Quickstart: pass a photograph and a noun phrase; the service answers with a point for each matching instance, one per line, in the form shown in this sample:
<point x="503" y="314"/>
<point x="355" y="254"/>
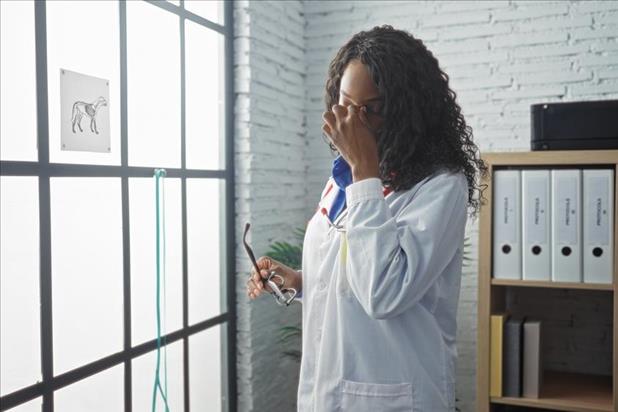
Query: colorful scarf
<point x="342" y="175"/>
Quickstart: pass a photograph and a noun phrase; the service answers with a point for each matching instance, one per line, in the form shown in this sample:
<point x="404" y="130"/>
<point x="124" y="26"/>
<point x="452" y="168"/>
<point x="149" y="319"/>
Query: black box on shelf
<point x="584" y="125"/>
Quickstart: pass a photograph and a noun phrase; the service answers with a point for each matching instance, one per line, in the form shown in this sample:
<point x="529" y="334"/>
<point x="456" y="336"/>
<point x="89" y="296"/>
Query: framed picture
<point x="84" y="108"/>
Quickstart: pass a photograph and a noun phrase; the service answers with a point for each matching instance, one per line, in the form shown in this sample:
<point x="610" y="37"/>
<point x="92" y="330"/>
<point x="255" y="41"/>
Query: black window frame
<point x="45" y="170"/>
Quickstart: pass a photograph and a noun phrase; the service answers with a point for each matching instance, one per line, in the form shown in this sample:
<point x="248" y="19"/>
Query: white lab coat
<point x="380" y="300"/>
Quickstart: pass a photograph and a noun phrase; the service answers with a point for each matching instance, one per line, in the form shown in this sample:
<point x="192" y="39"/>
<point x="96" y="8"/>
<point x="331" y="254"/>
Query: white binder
<point x="598" y="245"/>
<point x="536" y="249"/>
<point x="566" y="225"/>
<point x="506" y="224"/>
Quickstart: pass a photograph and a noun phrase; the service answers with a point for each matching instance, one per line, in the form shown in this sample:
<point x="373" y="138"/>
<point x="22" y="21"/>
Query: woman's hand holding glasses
<point x="267" y="274"/>
<point x="255" y="284"/>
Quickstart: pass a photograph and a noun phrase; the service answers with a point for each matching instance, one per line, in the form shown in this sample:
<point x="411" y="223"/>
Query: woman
<point x="382" y="255"/>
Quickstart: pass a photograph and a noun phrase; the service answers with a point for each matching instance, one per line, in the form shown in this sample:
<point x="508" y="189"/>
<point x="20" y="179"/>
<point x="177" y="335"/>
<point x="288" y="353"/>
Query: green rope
<point x="158" y="175"/>
<point x="164" y="289"/>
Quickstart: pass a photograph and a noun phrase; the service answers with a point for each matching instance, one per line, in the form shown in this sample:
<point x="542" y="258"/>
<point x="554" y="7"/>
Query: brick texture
<point x="501" y="56"/>
<point x="270" y="145"/>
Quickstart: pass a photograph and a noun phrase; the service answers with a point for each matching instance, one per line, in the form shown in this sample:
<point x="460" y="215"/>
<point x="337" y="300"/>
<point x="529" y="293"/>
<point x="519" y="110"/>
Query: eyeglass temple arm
<point x="248" y="248"/>
<point x="277" y="292"/>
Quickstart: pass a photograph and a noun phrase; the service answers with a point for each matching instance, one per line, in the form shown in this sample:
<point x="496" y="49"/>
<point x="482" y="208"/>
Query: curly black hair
<point x="423" y="128"/>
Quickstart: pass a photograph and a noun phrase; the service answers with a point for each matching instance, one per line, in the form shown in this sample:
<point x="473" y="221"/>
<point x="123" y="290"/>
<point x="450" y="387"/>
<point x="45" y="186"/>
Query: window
<point x="77" y="239"/>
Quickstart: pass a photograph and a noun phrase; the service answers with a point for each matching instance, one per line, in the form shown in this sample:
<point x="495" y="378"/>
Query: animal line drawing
<point x="81" y="109"/>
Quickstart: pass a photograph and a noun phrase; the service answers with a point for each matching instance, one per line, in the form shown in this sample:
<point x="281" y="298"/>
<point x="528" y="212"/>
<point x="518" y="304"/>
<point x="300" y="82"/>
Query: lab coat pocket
<point x="371" y="397"/>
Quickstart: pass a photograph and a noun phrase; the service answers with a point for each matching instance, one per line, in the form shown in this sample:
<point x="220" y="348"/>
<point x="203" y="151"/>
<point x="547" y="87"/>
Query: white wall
<point x="501" y="56"/>
<point x="270" y="191"/>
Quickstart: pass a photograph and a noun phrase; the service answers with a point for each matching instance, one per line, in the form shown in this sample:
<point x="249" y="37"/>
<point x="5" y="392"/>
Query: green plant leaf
<point x="295" y="354"/>
<point x="290" y="335"/>
<point x="286" y="253"/>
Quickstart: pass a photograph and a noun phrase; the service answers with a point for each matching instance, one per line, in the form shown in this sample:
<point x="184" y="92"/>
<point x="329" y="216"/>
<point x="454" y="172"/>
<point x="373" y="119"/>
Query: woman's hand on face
<point x="350" y="131"/>
<point x="255" y="284"/>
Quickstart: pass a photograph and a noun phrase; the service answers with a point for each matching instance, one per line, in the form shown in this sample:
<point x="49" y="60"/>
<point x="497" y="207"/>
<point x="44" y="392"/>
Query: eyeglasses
<point x="369" y="111"/>
<point x="281" y="295"/>
<point x="378" y="113"/>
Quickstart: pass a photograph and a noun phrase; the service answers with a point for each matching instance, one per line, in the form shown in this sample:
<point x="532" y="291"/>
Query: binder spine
<point x="566" y="262"/>
<point x="536" y="234"/>
<point x="598" y="241"/>
<point x="507" y="225"/>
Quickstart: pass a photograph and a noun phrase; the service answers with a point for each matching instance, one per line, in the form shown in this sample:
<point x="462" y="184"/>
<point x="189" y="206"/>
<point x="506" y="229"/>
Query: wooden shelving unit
<point x="561" y="391"/>
<point x="559" y="285"/>
<point x="569" y="392"/>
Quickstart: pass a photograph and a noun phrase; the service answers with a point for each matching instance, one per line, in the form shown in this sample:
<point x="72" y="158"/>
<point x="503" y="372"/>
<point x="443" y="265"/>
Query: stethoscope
<point x="338" y="226"/>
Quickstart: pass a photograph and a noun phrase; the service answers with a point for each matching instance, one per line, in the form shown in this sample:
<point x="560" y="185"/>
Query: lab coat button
<point x="322" y="285"/>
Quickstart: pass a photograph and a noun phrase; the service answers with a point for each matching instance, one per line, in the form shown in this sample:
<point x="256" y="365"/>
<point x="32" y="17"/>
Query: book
<point x="532" y="363"/>
<point x="513" y="338"/>
<point x="496" y="350"/>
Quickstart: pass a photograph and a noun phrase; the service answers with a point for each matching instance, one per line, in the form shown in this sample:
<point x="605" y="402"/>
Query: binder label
<point x="537" y="210"/>
<point x="567" y="210"/>
<point x="597" y="213"/>
<point x="506" y="194"/>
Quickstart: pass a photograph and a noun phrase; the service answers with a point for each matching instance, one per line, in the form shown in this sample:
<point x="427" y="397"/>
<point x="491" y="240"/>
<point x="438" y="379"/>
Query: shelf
<point x="563" y="391"/>
<point x="552" y="158"/>
<point x="546" y="284"/>
<point x="569" y="392"/>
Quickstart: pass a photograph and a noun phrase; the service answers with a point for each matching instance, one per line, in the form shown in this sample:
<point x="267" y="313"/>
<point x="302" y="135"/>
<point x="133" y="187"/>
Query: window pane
<point x="205" y="355"/>
<point x="153" y="52"/>
<point x="205" y="226"/>
<point x="143" y="257"/>
<point x="205" y="88"/>
<point x="144" y="368"/>
<point x="211" y="10"/>
<point x="83" y="37"/>
<point x="19" y="283"/>
<point x="86" y="243"/>
<point x="17" y="81"/>
<point x="99" y="393"/>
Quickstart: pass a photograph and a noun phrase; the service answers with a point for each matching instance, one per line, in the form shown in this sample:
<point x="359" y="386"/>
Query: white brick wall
<point x="501" y="56"/>
<point x="270" y="142"/>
